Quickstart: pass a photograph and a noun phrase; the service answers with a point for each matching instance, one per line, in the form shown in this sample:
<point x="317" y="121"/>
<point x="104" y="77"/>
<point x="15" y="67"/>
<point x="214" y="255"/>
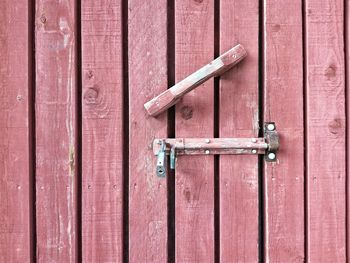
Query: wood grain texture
<point x="325" y="104"/>
<point x="147" y="43"/>
<point x="194" y="182"/>
<point x="102" y="131"/>
<point x="14" y="132"/>
<point x="200" y="146"/>
<point x="283" y="104"/>
<point x="55" y="106"/>
<point x="239" y="117"/>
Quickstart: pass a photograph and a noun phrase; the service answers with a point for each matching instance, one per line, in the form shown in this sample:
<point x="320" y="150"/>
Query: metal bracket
<point x="272" y="139"/>
<point x="267" y="145"/>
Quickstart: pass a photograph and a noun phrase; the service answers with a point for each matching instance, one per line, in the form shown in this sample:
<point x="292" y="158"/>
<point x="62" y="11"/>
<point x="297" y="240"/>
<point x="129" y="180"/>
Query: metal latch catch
<point x="161" y="160"/>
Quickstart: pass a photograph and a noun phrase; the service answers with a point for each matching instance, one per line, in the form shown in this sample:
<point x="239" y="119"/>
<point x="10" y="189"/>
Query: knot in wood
<point x="334" y="126"/>
<point x="186" y="112"/>
<point x="89" y="74"/>
<point x="330" y="72"/>
<point x="43" y="19"/>
<point x="91" y="95"/>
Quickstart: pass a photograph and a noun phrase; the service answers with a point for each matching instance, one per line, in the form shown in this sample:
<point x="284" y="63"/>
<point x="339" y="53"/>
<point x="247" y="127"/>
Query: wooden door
<point x="78" y="176"/>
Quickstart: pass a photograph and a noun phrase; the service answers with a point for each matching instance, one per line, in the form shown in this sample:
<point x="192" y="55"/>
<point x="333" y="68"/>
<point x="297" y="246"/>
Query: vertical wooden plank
<point x="55" y="108"/>
<point x="147" y="43"/>
<point x="102" y="135"/>
<point x="325" y="104"/>
<point x="239" y="117"/>
<point x="14" y="130"/>
<point x="194" y="182"/>
<point x="283" y="104"/>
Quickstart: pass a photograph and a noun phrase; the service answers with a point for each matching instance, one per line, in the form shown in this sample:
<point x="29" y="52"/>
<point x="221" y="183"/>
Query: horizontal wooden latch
<point x="267" y="145"/>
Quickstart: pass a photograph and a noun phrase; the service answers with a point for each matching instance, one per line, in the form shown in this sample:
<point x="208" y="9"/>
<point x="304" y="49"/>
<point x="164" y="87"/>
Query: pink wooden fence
<point x="77" y="171"/>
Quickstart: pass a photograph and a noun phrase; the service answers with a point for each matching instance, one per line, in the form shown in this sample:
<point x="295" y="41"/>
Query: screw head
<point x="254" y="140"/>
<point x="254" y="151"/>
<point x="272" y="156"/>
<point x="207" y="151"/>
<point x="207" y="140"/>
<point x="271" y="127"/>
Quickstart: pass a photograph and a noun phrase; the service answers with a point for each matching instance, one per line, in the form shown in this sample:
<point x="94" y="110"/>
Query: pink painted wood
<point x="15" y="160"/>
<point x="239" y="117"/>
<point x="147" y="21"/>
<point x="55" y="107"/>
<point x="102" y="134"/>
<point x="195" y="146"/>
<point x="194" y="183"/>
<point x="215" y="68"/>
<point x="325" y="116"/>
<point x="283" y="103"/>
<point x="306" y="193"/>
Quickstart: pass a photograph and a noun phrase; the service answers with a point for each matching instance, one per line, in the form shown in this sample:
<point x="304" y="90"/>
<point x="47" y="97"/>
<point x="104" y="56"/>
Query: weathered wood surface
<point x="283" y="104"/>
<point x="147" y="40"/>
<point x="239" y="117"/>
<point x="215" y="68"/>
<point x="304" y="214"/>
<point x="194" y="182"/>
<point x="325" y="121"/>
<point x="56" y="154"/>
<point x="102" y="131"/>
<point x="15" y="143"/>
<point x="194" y="146"/>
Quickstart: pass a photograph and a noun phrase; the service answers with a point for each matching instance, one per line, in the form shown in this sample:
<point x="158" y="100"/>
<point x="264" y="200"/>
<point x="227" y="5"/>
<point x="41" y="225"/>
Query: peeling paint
<point x="70" y="87"/>
<point x="65" y="30"/>
<point x="71" y="161"/>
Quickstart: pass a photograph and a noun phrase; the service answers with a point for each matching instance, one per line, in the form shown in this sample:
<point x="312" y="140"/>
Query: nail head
<point x="272" y="156"/>
<point x="270" y="127"/>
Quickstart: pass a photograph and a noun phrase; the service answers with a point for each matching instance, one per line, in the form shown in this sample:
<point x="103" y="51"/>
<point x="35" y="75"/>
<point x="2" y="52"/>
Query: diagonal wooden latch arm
<point x="215" y="68"/>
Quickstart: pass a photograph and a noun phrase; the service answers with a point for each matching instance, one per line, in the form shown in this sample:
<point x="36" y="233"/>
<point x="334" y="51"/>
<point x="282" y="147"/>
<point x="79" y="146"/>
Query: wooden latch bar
<point x="215" y="68"/>
<point x="267" y="145"/>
